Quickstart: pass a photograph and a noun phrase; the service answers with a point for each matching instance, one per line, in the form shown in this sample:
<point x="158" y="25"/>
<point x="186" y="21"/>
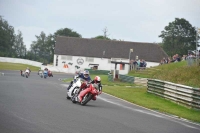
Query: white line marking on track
<point x="138" y="110"/>
<point x="160" y="115"/>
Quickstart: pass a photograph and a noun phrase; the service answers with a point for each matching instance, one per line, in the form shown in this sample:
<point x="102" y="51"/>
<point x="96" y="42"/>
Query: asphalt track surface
<point x="38" y="105"/>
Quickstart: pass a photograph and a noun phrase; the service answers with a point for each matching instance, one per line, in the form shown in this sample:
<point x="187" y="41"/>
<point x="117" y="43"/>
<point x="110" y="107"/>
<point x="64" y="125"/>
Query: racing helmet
<point x="97" y="79"/>
<point x="86" y="73"/>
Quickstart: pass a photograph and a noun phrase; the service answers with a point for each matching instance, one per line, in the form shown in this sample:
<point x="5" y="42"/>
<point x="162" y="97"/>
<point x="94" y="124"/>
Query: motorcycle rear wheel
<point x="86" y="99"/>
<point x="73" y="99"/>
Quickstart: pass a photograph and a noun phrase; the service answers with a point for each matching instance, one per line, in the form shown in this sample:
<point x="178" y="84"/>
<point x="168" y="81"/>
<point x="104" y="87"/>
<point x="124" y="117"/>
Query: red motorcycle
<point x="87" y="94"/>
<point x="50" y="74"/>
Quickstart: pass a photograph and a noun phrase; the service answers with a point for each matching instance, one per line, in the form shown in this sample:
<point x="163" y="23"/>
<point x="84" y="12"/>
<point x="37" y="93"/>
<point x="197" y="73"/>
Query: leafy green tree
<point x="50" y="46"/>
<point x="38" y="47"/>
<point x="29" y="55"/>
<point x="19" y="47"/>
<point x="101" y="37"/>
<point x="43" y="48"/>
<point x="178" y="37"/>
<point x="34" y="50"/>
<point x="7" y="39"/>
<point x="67" y="32"/>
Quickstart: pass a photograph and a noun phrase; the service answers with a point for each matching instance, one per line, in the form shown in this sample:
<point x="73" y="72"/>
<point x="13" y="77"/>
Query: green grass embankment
<point x="16" y="66"/>
<point x="179" y="73"/>
<point x="138" y="95"/>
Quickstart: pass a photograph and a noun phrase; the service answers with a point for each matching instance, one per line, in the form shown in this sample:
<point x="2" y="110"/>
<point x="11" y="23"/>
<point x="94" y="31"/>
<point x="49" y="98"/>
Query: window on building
<point x="122" y="66"/>
<point x="89" y="59"/>
<point x="69" y="57"/>
<point x="66" y="57"/>
<point x="56" y="60"/>
<point x="95" y="67"/>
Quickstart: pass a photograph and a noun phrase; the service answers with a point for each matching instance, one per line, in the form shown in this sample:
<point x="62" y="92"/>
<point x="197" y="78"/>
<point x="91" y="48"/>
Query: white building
<point x="74" y="54"/>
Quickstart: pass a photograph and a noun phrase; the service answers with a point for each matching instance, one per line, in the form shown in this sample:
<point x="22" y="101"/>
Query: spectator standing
<point x="141" y="63"/>
<point x="138" y="64"/>
<point x="135" y="64"/>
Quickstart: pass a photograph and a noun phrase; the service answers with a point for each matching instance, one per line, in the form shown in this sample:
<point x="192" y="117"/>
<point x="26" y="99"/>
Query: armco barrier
<point x="110" y="78"/>
<point x="122" y="78"/>
<point x="179" y="93"/>
<point x="125" y="78"/>
<point x="98" y="72"/>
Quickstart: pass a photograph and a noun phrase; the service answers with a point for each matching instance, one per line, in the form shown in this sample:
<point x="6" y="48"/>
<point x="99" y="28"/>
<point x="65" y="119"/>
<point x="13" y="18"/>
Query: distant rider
<point x="28" y="71"/>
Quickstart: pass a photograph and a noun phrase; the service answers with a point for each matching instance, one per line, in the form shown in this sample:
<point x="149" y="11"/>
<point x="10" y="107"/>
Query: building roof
<point x="113" y="49"/>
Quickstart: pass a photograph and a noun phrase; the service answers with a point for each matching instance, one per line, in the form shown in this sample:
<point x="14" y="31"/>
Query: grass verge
<point x="179" y="73"/>
<point x="16" y="66"/>
<point x="138" y="95"/>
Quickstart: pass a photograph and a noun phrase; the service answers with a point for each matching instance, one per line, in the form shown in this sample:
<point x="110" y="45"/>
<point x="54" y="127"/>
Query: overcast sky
<point x="128" y="20"/>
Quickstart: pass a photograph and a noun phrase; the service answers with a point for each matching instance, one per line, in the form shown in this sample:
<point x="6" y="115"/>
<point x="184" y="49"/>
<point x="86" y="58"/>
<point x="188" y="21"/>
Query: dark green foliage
<point x="19" y="47"/>
<point x="7" y="39"/>
<point x="42" y="49"/>
<point x="101" y="37"/>
<point x="178" y="37"/>
<point x="67" y="32"/>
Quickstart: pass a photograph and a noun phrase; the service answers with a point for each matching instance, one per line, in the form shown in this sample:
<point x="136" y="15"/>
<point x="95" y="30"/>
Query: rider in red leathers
<point x="97" y="80"/>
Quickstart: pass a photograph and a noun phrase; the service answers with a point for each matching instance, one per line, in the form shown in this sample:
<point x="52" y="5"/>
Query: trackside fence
<point x="98" y="72"/>
<point x="122" y="78"/>
<point x="182" y="94"/>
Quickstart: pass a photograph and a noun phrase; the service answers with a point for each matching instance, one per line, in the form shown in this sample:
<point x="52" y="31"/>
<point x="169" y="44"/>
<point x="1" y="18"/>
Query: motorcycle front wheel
<point x="68" y="97"/>
<point x="74" y="95"/>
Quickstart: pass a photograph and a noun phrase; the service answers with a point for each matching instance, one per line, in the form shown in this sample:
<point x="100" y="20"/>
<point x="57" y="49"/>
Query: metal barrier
<point x="122" y="78"/>
<point x="182" y="94"/>
<point x="110" y="78"/>
<point x="98" y="72"/>
<point x="125" y="78"/>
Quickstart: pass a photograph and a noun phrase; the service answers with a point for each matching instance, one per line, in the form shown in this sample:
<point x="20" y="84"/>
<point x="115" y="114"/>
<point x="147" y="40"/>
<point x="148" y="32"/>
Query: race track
<point x="38" y="105"/>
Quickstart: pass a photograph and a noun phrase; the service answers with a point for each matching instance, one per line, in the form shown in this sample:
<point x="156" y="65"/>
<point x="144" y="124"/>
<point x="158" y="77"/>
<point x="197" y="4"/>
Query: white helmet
<point x="86" y="73"/>
<point x="97" y="79"/>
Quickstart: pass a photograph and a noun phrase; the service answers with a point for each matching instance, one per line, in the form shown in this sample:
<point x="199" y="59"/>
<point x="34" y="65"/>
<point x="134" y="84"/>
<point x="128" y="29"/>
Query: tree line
<point x="178" y="37"/>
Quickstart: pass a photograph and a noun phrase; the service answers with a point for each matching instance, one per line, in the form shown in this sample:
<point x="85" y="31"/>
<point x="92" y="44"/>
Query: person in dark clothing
<point x="135" y="64"/>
